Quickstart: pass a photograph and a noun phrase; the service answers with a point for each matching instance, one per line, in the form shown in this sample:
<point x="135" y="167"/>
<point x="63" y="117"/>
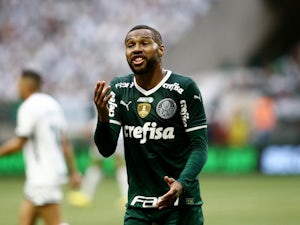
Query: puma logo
<point x="126" y="105"/>
<point x="198" y="97"/>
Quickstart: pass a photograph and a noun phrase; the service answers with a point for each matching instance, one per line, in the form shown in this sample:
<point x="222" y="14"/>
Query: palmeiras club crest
<point x="143" y="109"/>
<point x="166" y="108"/>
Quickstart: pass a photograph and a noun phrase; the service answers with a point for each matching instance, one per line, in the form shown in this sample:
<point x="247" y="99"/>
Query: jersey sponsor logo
<point x="143" y="109"/>
<point x="148" y="131"/>
<point x="184" y="112"/>
<point x="166" y="108"/>
<point x="124" y="85"/>
<point x="145" y="99"/>
<point x="126" y="104"/>
<point x="148" y="202"/>
<point x="112" y="104"/>
<point x="173" y="87"/>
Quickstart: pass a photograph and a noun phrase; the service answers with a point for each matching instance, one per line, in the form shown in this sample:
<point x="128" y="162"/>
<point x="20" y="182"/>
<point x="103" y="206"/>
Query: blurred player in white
<point x="93" y="175"/>
<point x="41" y="133"/>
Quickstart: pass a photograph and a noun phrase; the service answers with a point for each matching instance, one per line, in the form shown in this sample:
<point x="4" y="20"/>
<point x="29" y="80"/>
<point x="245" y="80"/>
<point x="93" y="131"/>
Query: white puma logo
<point x="126" y="105"/>
<point x="198" y="97"/>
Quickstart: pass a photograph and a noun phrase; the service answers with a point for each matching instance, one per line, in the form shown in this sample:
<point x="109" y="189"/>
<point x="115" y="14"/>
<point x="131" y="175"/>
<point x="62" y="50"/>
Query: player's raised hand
<point x="101" y="99"/>
<point x="171" y="196"/>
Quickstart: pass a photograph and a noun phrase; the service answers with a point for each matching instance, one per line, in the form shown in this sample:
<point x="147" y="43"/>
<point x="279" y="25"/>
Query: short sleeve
<point x="25" y="121"/>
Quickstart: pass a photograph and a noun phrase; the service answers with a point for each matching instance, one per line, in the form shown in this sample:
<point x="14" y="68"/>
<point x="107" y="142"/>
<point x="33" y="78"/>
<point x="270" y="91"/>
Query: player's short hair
<point x="156" y="35"/>
<point x="33" y="76"/>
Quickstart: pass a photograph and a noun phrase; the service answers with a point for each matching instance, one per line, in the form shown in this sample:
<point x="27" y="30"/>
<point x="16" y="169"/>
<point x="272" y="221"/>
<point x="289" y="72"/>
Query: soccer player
<point x="41" y="133"/>
<point x="165" y="134"/>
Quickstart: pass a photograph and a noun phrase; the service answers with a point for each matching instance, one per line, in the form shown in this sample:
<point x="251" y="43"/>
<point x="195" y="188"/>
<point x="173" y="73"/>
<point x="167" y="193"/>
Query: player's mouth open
<point x="137" y="61"/>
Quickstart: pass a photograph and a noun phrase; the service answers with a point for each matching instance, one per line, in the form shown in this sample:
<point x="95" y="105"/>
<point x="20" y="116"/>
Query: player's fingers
<point x="172" y="193"/>
<point x="100" y="95"/>
<point x="106" y="96"/>
<point x="99" y="86"/>
<point x="168" y="199"/>
<point x="98" y="89"/>
<point x="171" y="196"/>
<point x="169" y="180"/>
<point x="97" y="93"/>
<point x="167" y="202"/>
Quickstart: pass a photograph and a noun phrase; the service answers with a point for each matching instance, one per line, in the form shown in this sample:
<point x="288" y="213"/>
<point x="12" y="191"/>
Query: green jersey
<point x="165" y="134"/>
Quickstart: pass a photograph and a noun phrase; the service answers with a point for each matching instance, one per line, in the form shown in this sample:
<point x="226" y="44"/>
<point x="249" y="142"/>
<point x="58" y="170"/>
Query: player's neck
<point x="28" y="94"/>
<point x="150" y="80"/>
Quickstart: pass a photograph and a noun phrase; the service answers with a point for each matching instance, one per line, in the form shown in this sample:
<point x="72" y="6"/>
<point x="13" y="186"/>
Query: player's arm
<point x="106" y="135"/>
<point x="197" y="158"/>
<point x="106" y="138"/>
<point x="12" y="145"/>
<point x="75" y="176"/>
<point x="22" y="132"/>
<point x="196" y="129"/>
<point x="191" y="170"/>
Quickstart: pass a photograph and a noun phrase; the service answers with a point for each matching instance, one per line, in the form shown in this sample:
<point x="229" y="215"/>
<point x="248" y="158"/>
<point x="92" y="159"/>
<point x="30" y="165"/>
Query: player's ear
<point x="161" y="50"/>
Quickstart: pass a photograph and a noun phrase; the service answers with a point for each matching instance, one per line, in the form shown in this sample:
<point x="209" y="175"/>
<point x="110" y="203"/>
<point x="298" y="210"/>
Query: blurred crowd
<point x="254" y="105"/>
<point x="75" y="43"/>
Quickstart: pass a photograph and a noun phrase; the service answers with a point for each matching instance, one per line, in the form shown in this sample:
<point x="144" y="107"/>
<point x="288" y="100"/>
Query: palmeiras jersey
<point x="159" y="127"/>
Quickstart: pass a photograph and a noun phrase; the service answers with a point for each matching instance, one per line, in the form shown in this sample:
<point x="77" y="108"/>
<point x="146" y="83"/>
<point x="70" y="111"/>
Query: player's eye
<point x="130" y="45"/>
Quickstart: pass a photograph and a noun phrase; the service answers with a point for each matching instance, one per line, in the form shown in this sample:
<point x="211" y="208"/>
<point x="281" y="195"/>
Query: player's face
<point x="21" y="88"/>
<point x="24" y="88"/>
<point x="142" y="52"/>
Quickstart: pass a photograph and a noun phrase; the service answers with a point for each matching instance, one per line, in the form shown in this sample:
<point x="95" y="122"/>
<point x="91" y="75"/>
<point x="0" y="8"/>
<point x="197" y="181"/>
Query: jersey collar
<point x="154" y="89"/>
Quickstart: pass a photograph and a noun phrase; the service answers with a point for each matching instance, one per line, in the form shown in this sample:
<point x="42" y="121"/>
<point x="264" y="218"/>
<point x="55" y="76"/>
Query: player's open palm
<point x="171" y="196"/>
<point x="101" y="99"/>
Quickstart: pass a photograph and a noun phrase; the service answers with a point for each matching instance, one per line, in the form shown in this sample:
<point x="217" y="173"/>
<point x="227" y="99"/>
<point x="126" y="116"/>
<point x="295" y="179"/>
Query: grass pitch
<point x="228" y="200"/>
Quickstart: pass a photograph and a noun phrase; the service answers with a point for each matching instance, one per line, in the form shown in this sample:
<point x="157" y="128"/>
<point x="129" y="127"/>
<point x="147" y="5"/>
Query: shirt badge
<point x="143" y="109"/>
<point x="166" y="108"/>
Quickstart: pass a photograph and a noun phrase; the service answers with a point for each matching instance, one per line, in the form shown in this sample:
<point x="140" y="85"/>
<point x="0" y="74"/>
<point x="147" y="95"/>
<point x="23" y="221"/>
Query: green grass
<point x="228" y="200"/>
<point x="251" y="200"/>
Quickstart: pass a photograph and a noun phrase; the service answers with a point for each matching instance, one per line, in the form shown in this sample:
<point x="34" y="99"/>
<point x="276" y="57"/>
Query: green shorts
<point x="189" y="215"/>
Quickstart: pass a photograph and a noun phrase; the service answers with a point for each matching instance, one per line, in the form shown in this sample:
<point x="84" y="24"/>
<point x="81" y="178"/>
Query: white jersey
<point x="41" y="119"/>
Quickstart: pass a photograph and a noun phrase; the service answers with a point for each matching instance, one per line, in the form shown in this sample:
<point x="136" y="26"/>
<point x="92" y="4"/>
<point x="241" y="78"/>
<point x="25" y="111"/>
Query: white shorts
<point x="41" y="195"/>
